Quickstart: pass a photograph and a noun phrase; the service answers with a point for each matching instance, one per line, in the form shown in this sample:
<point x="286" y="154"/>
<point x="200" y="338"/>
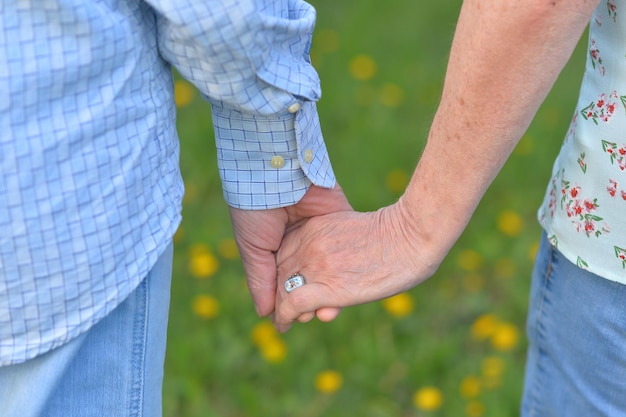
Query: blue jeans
<point x="576" y="363"/>
<point x="114" y="369"/>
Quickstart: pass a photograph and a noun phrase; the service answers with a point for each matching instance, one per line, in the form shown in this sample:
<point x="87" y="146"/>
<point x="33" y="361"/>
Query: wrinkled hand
<point x="351" y="258"/>
<point x="259" y="234"/>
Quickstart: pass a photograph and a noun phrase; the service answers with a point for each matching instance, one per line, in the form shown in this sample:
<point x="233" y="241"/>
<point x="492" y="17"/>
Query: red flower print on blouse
<point x="620" y="254"/>
<point x="596" y="58"/>
<point x="612" y="187"/>
<point x="590" y="205"/>
<point x="603" y="108"/>
<point x="581" y="211"/>
<point x="582" y="164"/>
<point x="552" y="204"/>
<point x="617" y="154"/>
<point x="612" y="8"/>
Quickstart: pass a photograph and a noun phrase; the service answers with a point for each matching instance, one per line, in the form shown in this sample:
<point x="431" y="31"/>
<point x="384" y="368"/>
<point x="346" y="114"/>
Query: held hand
<point x="259" y="234"/>
<point x="350" y="258"/>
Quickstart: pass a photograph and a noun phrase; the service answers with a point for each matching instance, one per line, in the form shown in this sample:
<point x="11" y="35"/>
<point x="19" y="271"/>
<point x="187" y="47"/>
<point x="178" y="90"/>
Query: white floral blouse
<point x="584" y="210"/>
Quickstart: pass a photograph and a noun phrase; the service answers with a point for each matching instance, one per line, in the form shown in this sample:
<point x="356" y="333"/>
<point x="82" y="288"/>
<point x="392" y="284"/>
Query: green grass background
<point x="215" y="368"/>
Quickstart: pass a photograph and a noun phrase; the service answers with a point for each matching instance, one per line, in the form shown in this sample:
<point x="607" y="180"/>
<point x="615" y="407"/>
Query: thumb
<point x="318" y="201"/>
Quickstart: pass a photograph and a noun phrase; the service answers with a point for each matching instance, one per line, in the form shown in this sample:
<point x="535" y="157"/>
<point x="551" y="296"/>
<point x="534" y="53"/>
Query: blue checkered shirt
<point x="90" y="188"/>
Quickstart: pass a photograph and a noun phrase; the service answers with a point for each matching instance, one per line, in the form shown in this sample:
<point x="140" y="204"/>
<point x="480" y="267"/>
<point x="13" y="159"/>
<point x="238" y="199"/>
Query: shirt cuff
<point x="269" y="162"/>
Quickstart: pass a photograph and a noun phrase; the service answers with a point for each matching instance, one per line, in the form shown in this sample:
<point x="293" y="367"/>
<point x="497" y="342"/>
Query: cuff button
<point x="294" y="108"/>
<point x="308" y="156"/>
<point x="277" y="162"/>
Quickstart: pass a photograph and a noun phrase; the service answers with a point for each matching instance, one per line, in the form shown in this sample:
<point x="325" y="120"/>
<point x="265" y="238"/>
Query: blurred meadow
<point x="454" y="346"/>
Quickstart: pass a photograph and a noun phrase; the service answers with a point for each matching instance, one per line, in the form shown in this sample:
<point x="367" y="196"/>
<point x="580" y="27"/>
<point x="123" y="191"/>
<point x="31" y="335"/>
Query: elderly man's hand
<point x="259" y="234"/>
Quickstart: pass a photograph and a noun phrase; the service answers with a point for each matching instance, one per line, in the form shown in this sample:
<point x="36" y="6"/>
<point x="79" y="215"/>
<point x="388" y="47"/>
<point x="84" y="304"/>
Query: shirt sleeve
<point x="250" y="60"/>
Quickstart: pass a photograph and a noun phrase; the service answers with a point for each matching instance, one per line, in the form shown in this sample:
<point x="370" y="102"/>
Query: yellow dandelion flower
<point x="470" y="387"/>
<point x="183" y="93"/>
<point x="484" y="326"/>
<point x="227" y="249"/>
<point x="400" y="305"/>
<point x="492" y="367"/>
<point x="202" y="262"/>
<point x="470" y="260"/>
<point x="263" y="333"/>
<point x="428" y="399"/>
<point x="532" y="251"/>
<point x="474" y="409"/>
<point x="274" y="350"/>
<point x="362" y="67"/>
<point x="328" y="381"/>
<point x="510" y="223"/>
<point x="326" y="41"/>
<point x="272" y="347"/>
<point x="391" y="95"/>
<point x="397" y="181"/>
<point x="505" y="268"/>
<point x="205" y="306"/>
<point x="505" y="337"/>
<point x="473" y="282"/>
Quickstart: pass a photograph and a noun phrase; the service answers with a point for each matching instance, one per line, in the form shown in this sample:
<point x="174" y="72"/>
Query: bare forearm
<point x="504" y="59"/>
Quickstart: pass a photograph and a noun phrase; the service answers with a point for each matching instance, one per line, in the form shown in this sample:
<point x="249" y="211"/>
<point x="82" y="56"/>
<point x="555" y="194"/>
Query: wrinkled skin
<point x="259" y="234"/>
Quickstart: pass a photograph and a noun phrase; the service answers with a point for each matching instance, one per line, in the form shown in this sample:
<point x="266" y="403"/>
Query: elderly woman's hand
<point x="349" y="258"/>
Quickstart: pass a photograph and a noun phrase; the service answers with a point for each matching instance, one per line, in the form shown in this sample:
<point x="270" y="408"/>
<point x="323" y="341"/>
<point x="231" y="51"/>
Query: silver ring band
<point x="294" y="281"/>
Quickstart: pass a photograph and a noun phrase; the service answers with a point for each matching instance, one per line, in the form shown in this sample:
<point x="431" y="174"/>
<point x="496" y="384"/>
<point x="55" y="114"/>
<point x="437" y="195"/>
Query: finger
<point x="258" y="235"/>
<point x="306" y="317"/>
<point x="301" y="301"/>
<point x="327" y="314"/>
<point x="261" y="278"/>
